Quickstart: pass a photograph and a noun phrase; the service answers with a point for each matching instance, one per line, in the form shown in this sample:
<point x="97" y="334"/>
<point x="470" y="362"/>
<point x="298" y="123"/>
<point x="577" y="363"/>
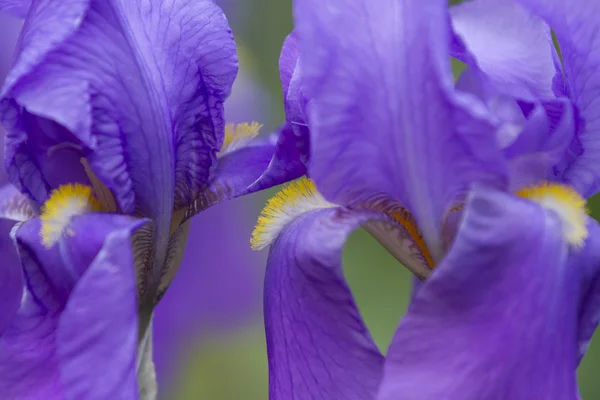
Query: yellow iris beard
<point x="238" y="135"/>
<point x="293" y="200"/>
<point x="566" y="203"/>
<point x="65" y="203"/>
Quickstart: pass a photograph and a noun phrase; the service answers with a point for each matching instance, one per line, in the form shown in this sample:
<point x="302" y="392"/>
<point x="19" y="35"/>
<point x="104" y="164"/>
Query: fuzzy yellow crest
<point x="566" y="203"/>
<point x="293" y="200"/>
<point x="65" y="203"/>
<point x="238" y="136"/>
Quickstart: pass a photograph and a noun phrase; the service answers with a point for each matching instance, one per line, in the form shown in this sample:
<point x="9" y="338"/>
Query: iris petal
<point x="151" y="138"/>
<point x="317" y="342"/>
<point x="512" y="47"/>
<point x="383" y="116"/>
<point x="577" y="31"/>
<point x="508" y="279"/>
<point x="80" y="305"/>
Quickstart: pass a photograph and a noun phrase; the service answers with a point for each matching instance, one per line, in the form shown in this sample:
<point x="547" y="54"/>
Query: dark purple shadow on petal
<point x="288" y="161"/>
<point x="498" y="318"/>
<point x="317" y="343"/>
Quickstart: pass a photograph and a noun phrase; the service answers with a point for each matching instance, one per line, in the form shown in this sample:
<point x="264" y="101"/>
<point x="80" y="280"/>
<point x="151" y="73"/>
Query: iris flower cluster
<point x="117" y="136"/>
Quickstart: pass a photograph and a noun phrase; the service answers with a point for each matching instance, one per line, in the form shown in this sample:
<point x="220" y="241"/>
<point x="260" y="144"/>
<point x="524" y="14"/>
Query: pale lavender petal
<point x="577" y="29"/>
<point x="288" y="61"/>
<point x="318" y="345"/>
<point x="512" y="47"/>
<point x="42" y="353"/>
<point x="383" y="116"/>
<point x="498" y="317"/>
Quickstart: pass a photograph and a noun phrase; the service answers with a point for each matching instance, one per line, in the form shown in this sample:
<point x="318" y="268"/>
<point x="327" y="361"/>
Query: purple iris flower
<point x="524" y="67"/>
<point x="115" y="138"/>
<point x="478" y="203"/>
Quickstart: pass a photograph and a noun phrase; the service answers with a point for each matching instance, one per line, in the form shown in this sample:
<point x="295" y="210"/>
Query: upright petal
<point x="512" y="47"/>
<point x="76" y="332"/>
<point x="499" y="314"/>
<point x="318" y="345"/>
<point x="288" y="61"/>
<point x="9" y="31"/>
<point x="578" y="33"/>
<point x="137" y="87"/>
<point x="383" y="117"/>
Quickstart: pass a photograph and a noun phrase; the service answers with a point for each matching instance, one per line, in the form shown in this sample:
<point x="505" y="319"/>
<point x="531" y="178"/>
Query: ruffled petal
<point x="512" y="47"/>
<point x="383" y="116"/>
<point x="151" y="138"/>
<point x="577" y="30"/>
<point x="535" y="135"/>
<point x="76" y="330"/>
<point x="317" y="343"/>
<point x="498" y="318"/>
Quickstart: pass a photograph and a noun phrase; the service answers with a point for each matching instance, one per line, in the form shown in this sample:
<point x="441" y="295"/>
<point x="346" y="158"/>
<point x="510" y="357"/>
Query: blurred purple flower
<point x="218" y="283"/>
<point x="113" y="107"/>
<point x="446" y="178"/>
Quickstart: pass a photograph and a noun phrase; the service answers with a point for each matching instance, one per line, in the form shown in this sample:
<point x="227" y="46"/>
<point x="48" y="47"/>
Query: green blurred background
<point x="233" y="365"/>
